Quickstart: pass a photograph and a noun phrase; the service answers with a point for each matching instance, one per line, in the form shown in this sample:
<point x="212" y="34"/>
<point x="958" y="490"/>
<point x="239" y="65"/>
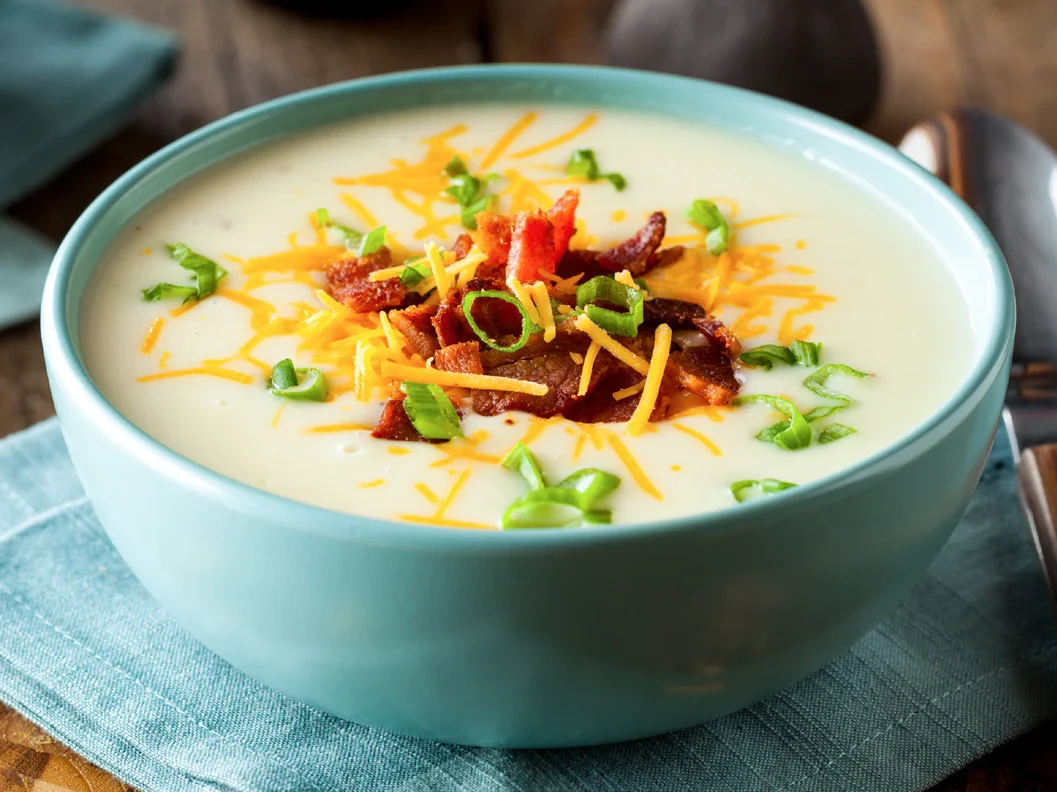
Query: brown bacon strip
<point x="393" y="424"/>
<point x="718" y="335"/>
<point x="706" y="371"/>
<point x="347" y="282"/>
<point x="531" y="247"/>
<point x="462" y="358"/>
<point x="493" y="236"/>
<point x="555" y="369"/>
<point x="634" y="254"/>
<point x="563" y="217"/>
<point x="416" y="325"/>
<point x="677" y="314"/>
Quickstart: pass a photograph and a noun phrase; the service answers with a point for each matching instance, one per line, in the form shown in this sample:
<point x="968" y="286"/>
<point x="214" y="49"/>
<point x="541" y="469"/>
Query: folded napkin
<point x="68" y="78"/>
<point x="969" y="661"/>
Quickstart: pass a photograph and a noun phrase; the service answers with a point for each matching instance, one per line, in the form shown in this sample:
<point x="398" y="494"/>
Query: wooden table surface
<point x="1000" y="54"/>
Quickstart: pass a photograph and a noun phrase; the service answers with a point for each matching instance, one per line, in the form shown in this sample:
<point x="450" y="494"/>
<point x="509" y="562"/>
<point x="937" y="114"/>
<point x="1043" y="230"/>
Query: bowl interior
<point x="975" y="264"/>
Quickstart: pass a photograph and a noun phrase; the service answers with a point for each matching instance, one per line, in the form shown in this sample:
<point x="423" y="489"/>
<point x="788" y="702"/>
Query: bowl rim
<point x="66" y="370"/>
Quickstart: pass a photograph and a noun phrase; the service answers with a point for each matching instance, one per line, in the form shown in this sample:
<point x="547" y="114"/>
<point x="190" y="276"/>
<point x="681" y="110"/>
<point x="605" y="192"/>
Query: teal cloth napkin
<point x="68" y="79"/>
<point x="969" y="661"/>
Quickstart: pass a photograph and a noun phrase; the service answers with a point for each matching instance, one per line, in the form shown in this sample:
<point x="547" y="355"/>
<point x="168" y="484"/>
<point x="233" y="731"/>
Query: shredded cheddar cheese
<point x="371" y="484"/>
<point x="542" y="299"/>
<point x="206" y="371"/>
<point x="632" y="466"/>
<point x="615" y="348"/>
<point x="454" y="379"/>
<point x="629" y="391"/>
<point x="524" y="297"/>
<point x="662" y="341"/>
<point x="699" y="437"/>
<point x="589" y="365"/>
<point x="152" y="336"/>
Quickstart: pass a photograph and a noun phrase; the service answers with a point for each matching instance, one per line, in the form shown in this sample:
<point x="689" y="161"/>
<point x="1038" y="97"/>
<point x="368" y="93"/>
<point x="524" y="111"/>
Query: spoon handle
<point x="1037" y="480"/>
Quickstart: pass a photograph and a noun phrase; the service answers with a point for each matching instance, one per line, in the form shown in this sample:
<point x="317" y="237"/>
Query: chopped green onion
<point x="300" y="384"/>
<point x="359" y="243"/>
<point x="742" y="490"/>
<point x="569" y="504"/>
<point x="834" y="432"/>
<point x="463" y="188"/>
<point x="412" y="276"/>
<point x="528" y="327"/>
<point x="803" y="353"/>
<point x="767" y="355"/>
<point x="806" y="352"/>
<point x="706" y="214"/>
<point x="583" y="163"/>
<point x="455" y="166"/>
<point x="602" y="288"/>
<point x="468" y="191"/>
<point x="283" y="375"/>
<point x="643" y="287"/>
<point x="823" y="412"/>
<point x="796" y="433"/>
<point x="163" y="291"/>
<point x="816" y="383"/>
<point x="430" y="411"/>
<point x="205" y="273"/>
<point x="523" y="461"/>
<point x="468" y="215"/>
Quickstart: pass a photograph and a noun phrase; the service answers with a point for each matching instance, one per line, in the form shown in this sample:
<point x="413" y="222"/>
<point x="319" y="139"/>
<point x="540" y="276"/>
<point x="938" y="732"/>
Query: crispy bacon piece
<point x="718" y="335"/>
<point x="415" y="324"/>
<point x="347" y="282"/>
<point x="393" y="424"/>
<point x="665" y="258"/>
<point x="449" y="324"/>
<point x="638" y="254"/>
<point x="462" y="358"/>
<point x="633" y="254"/>
<point x="462" y="246"/>
<point x="531" y="247"/>
<point x="601" y="407"/>
<point x="493" y="235"/>
<point x="677" y="314"/>
<point x="555" y="369"/>
<point x="706" y="371"/>
<point x="563" y="217"/>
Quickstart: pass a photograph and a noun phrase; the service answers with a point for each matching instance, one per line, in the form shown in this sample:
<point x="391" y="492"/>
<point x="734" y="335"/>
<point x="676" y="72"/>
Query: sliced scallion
<point x="299" y="384"/>
<point x="582" y="163"/>
<point x="359" y="243"/>
<point x="744" y="490"/>
<point x="570" y="503"/>
<point x="523" y="461"/>
<point x="528" y="327"/>
<point x="603" y="289"/>
<point x="706" y="214"/>
<point x="834" y="432"/>
<point x="163" y="291"/>
<point x="816" y="382"/>
<point x="205" y="273"/>
<point x="469" y="191"/>
<point x="431" y="412"/>
<point x="413" y="275"/>
<point x="791" y="435"/>
<point x="455" y="166"/>
<point x="767" y="355"/>
<point x="806" y="352"/>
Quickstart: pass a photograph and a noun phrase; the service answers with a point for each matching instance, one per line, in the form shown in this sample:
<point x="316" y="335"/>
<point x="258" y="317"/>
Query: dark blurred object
<point x="818" y="53"/>
<point x="344" y="9"/>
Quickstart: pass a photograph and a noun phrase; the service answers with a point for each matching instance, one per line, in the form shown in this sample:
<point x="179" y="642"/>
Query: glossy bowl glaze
<point x="545" y="638"/>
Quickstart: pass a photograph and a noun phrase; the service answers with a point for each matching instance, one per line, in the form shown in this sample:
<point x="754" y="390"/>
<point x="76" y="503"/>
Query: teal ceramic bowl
<point x="546" y="638"/>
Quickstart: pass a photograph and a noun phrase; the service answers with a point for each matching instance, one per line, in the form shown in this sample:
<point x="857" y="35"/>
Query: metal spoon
<point x="1009" y="177"/>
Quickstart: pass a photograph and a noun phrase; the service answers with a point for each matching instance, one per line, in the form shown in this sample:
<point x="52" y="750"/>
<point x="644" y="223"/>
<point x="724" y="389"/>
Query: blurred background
<point x="880" y="64"/>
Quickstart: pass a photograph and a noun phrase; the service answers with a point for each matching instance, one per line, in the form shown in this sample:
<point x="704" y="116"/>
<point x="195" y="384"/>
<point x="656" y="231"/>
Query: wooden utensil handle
<point x="1038" y="487"/>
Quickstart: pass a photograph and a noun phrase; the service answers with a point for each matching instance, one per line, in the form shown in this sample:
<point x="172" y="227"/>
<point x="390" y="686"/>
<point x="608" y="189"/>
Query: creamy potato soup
<point x="760" y="334"/>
